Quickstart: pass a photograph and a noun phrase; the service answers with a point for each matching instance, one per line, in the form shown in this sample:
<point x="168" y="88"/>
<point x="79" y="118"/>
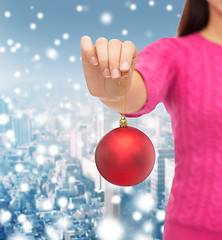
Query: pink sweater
<point x="185" y="74"/>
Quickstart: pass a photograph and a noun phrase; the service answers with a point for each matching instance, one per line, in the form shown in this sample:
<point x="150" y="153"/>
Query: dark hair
<point x="194" y="17"/>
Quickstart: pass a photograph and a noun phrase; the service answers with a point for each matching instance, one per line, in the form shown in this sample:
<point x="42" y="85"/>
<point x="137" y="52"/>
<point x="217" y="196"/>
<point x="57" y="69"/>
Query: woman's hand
<point x="105" y="63"/>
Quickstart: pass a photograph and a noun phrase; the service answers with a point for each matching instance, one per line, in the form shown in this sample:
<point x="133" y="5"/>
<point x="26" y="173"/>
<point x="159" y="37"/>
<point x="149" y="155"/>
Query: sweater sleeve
<point x="156" y="63"/>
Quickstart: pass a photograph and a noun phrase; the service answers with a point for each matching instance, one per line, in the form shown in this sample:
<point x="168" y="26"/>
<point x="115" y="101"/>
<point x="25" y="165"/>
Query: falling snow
<point x="65" y="36"/>
<point x="148" y="227"/>
<point x="49" y="85"/>
<point x="63" y="202"/>
<point x="133" y="7"/>
<point x="57" y="42"/>
<point x="40" y="159"/>
<point x="33" y="26"/>
<point x="72" y="58"/>
<point x="13" y="49"/>
<point x="24" y="187"/>
<point x="4" y="119"/>
<point x="10" y="42"/>
<point x="110" y="229"/>
<point x="137" y="216"/>
<point x="10" y="134"/>
<point x="79" y="8"/>
<point x="106" y="18"/>
<point x="76" y="86"/>
<point x="2" y="49"/>
<point x="18" y="45"/>
<point x="17" y="90"/>
<point x="5" y="216"/>
<point x="27" y="226"/>
<point x="40" y="15"/>
<point x="47" y="205"/>
<point x="19" y="167"/>
<point x="52" y="54"/>
<point x="7" y="14"/>
<point x="124" y="32"/>
<point x="169" y="7"/>
<point x="36" y="58"/>
<point x="21" y="218"/>
<point x="53" y="150"/>
<point x="151" y="3"/>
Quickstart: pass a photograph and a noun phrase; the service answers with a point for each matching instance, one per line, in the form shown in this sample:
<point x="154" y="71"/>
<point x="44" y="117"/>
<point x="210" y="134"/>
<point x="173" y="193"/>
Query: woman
<point x="185" y="73"/>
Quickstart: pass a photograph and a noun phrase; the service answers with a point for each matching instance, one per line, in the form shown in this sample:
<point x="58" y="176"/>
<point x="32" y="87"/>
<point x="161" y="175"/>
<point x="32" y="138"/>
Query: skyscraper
<point x="4" y="115"/>
<point x="21" y="125"/>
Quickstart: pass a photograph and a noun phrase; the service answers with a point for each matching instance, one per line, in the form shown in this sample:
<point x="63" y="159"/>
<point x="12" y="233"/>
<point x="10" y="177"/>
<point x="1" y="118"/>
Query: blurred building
<point x="21" y="125"/>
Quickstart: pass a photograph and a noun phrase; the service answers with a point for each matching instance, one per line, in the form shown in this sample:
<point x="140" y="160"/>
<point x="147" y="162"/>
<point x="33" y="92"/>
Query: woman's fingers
<point x="103" y="56"/>
<point x="88" y="52"/>
<point x="114" y="51"/>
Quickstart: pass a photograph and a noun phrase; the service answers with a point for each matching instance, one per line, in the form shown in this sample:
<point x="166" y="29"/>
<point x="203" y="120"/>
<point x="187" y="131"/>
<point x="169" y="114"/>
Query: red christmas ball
<point x="125" y="156"/>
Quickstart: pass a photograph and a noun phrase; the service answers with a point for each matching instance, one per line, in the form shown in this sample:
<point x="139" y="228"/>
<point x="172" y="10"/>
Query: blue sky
<point x="142" y="22"/>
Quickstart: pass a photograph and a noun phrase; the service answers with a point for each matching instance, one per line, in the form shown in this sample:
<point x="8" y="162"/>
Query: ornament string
<point x="123" y="114"/>
<point x="123" y="121"/>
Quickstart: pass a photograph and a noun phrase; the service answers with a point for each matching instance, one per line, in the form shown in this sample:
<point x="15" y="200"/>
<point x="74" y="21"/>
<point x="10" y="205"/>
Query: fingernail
<point x="107" y="72"/>
<point x="94" y="60"/>
<point x="125" y="66"/>
<point x="115" y="73"/>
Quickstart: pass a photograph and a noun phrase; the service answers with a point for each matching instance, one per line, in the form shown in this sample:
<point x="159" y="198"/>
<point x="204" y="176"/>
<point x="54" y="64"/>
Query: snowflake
<point x="2" y="49"/>
<point x="7" y="14"/>
<point x="52" y="54"/>
<point x="133" y="7"/>
<point x="57" y="42"/>
<point x="10" y="42"/>
<point x="169" y="7"/>
<point x="32" y="26"/>
<point x="79" y="8"/>
<point x="106" y="18"/>
<point x="65" y="36"/>
<point x="124" y="32"/>
<point x="72" y="58"/>
<point x="151" y="3"/>
<point x="40" y="15"/>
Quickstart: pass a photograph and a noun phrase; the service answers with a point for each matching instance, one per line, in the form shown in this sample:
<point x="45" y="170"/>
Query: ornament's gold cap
<point x="123" y="122"/>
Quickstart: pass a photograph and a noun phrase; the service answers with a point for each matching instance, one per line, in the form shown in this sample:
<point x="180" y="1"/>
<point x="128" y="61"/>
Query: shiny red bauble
<point x="125" y="156"/>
